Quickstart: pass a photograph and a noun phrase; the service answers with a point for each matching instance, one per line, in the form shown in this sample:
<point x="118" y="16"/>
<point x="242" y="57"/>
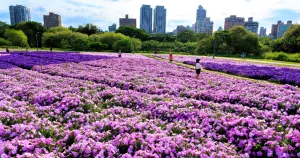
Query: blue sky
<point x="106" y="12"/>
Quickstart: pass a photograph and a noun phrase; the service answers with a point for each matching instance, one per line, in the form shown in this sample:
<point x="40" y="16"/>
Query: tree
<point x="4" y="42"/>
<point x="31" y="29"/>
<point x="133" y="32"/>
<point x="60" y="37"/>
<point x="124" y="45"/>
<point x="81" y="44"/>
<point x="3" y="27"/>
<point x="88" y="29"/>
<point x="291" y="38"/>
<point x="163" y="37"/>
<point x="187" y="36"/>
<point x="16" y="37"/>
<point x="107" y="38"/>
<point x="201" y="36"/>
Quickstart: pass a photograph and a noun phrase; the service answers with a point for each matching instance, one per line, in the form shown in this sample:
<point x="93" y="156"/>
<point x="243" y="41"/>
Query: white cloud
<point x="106" y="12"/>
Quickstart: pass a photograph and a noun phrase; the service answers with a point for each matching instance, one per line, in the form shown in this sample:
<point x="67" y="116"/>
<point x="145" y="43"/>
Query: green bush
<point x="81" y="44"/>
<point x="16" y="37"/>
<point x="60" y="37"/>
<point x="107" y="38"/>
<point x="123" y="45"/>
<point x="98" y="46"/>
<point x="169" y="46"/>
<point x="4" y="42"/>
<point x="281" y="56"/>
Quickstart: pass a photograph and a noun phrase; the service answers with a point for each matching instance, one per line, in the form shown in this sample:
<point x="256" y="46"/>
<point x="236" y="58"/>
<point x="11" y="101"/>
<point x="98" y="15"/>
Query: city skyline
<point x="105" y="12"/>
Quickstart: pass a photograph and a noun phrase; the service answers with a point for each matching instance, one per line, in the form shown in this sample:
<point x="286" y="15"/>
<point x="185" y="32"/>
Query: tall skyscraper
<point x="282" y="28"/>
<point x="262" y="32"/>
<point x="275" y="30"/>
<point x="19" y="14"/>
<point x="127" y="22"/>
<point x="112" y="28"/>
<point x="220" y="28"/>
<point x="160" y="19"/>
<point x="201" y="13"/>
<point x="233" y="20"/>
<point x="146" y="18"/>
<point x="203" y="23"/>
<point x="251" y="25"/>
<point x="52" y="20"/>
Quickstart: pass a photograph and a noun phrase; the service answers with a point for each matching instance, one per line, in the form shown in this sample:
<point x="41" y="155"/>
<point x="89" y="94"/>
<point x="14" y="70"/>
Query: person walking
<point x="156" y="50"/>
<point x="243" y="56"/>
<point x="120" y="53"/>
<point x="171" y="57"/>
<point x="51" y="49"/>
<point x="7" y="50"/>
<point x="198" y="68"/>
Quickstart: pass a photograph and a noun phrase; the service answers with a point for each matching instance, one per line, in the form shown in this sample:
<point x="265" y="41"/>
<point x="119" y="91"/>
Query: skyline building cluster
<point x="154" y="21"/>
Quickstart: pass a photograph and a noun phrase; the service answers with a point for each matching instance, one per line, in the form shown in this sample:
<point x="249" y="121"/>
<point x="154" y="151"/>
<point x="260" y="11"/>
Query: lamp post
<point x="132" y="43"/>
<point x="37" y="43"/>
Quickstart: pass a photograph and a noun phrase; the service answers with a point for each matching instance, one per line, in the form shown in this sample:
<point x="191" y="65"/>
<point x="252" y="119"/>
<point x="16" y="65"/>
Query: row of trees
<point x="88" y="37"/>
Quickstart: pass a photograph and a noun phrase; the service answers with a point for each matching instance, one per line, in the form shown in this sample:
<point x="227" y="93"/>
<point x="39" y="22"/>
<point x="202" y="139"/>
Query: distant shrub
<point x="281" y="56"/>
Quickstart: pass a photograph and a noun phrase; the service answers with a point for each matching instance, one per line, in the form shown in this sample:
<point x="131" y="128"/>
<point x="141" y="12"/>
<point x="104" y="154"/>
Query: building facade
<point x="180" y="28"/>
<point x="19" y="14"/>
<point x="232" y="21"/>
<point x="127" y="22"/>
<point x="220" y="28"/>
<point x="274" y="30"/>
<point x="263" y="32"/>
<point x="282" y="28"/>
<point x="112" y="28"/>
<point x="205" y="26"/>
<point x="251" y="25"/>
<point x="160" y="19"/>
<point x="52" y="20"/>
<point x="203" y="23"/>
<point x="146" y="18"/>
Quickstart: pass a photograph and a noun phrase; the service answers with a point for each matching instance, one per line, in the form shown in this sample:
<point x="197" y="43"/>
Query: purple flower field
<point x="60" y="105"/>
<point x="277" y="74"/>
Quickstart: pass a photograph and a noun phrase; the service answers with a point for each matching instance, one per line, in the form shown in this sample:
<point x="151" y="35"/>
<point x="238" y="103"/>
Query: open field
<point x="83" y="105"/>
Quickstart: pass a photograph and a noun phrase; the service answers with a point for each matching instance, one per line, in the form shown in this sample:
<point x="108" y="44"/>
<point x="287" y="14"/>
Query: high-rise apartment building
<point x="274" y="30"/>
<point x="112" y="28"/>
<point x="282" y="28"/>
<point x="52" y="20"/>
<point x="251" y="25"/>
<point x="19" y="14"/>
<point x="233" y="20"/>
<point x="201" y="13"/>
<point x="262" y="32"/>
<point x="160" y="19"/>
<point x="203" y="23"/>
<point x="146" y="18"/>
<point x="127" y="22"/>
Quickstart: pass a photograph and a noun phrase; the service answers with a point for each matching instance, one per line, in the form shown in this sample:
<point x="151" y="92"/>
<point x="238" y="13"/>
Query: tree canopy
<point x="16" y="37"/>
<point x="133" y="32"/>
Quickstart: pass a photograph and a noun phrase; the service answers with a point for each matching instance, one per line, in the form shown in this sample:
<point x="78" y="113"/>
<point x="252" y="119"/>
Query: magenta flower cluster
<point x="140" y="107"/>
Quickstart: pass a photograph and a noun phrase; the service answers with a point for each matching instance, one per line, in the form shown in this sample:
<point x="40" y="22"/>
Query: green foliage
<point x="281" y="56"/>
<point x="98" y="46"/>
<point x="31" y="29"/>
<point x="88" y="29"/>
<point x="81" y="44"/>
<point x="235" y="41"/>
<point x="187" y="36"/>
<point x="107" y="38"/>
<point x="16" y="37"/>
<point x="4" y="42"/>
<point x="291" y="39"/>
<point x="60" y="37"/>
<point x="3" y="27"/>
<point x="137" y="44"/>
<point x="169" y="46"/>
<point x="163" y="37"/>
<point x="133" y="32"/>
<point x="124" y="45"/>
